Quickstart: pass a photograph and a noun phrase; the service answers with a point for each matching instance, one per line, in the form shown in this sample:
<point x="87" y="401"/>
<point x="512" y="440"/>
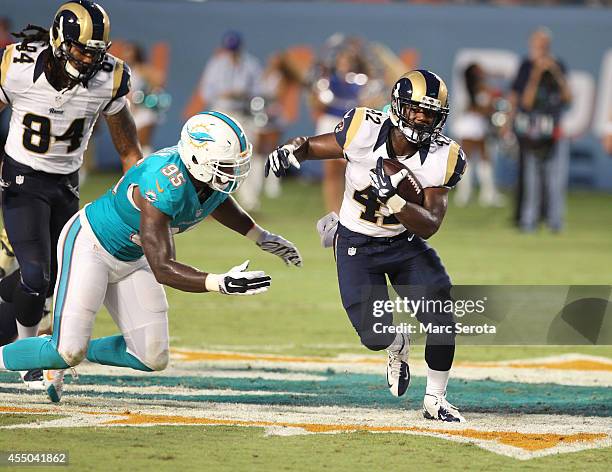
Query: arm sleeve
<point x="455" y="165"/>
<point x="121" y="87"/>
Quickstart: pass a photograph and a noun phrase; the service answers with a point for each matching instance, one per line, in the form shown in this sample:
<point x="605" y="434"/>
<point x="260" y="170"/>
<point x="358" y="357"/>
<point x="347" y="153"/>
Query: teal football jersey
<point x="163" y="180"/>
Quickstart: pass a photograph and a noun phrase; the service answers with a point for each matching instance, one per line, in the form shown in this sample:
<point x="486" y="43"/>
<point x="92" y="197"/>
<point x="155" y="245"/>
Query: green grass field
<point x="302" y="315"/>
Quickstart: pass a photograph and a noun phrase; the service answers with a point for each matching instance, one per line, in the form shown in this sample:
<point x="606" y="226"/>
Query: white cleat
<point x="33" y="379"/>
<point x="54" y="384"/>
<point x="398" y="372"/>
<point x="435" y="407"/>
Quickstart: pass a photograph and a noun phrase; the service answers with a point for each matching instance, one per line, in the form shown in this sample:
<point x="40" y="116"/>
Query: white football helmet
<point x="215" y="150"/>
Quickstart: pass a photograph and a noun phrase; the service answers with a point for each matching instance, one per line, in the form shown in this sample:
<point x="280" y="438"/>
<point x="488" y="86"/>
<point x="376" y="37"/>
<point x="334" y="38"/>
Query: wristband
<point x="211" y="283"/>
<point x="255" y="233"/>
<point x="395" y="204"/>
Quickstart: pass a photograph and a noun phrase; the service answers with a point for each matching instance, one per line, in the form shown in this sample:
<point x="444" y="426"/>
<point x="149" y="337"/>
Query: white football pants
<point x="89" y="276"/>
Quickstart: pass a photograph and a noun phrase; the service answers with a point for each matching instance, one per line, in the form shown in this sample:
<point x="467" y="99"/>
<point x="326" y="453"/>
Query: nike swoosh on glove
<point x="280" y="160"/>
<point x="279" y="246"/>
<point x="239" y="281"/>
<point x="385" y="186"/>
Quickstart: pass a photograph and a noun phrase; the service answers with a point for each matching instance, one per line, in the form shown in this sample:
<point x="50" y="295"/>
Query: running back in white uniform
<point x="50" y="129"/>
<point x="363" y="134"/>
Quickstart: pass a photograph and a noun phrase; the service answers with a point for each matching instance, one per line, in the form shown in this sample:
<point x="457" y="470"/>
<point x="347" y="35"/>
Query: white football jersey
<point x="49" y="129"/>
<point x="363" y="134"/>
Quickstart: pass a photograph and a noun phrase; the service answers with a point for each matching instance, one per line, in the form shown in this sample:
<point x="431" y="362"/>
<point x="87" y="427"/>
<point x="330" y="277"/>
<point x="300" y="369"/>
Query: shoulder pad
<point x="163" y="184"/>
<point x="5" y="62"/>
<point x="121" y="79"/>
<point x="359" y="128"/>
<point x="455" y="164"/>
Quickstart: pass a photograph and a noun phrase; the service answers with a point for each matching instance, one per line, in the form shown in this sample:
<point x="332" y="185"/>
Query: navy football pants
<point x="414" y="270"/>
<point x="35" y="206"/>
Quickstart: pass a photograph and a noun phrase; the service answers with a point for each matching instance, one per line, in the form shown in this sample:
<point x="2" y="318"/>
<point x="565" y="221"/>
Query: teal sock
<point x="32" y="353"/>
<point x="113" y="351"/>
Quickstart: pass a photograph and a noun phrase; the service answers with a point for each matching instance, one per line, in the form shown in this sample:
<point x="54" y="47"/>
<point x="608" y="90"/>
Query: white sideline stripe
<point x="196" y="370"/>
<point x="78" y="414"/>
<point x="165" y="390"/>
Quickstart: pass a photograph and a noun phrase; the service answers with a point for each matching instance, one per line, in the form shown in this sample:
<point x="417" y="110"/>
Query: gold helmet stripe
<point x="453" y="155"/>
<point x="106" y="35"/>
<point x="85" y="21"/>
<point x="354" y="126"/>
<point x="117" y="75"/>
<point x="442" y="92"/>
<point x="6" y="62"/>
<point x="419" y="85"/>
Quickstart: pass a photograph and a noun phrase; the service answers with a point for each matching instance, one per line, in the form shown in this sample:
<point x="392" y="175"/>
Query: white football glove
<point x="279" y="246"/>
<point x="239" y="281"/>
<point x="280" y="160"/>
<point x="327" y="227"/>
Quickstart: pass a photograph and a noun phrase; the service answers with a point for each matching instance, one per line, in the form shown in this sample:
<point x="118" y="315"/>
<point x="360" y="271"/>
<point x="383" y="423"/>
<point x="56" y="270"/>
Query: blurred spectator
<point x="345" y="81"/>
<point x="231" y="79"/>
<point x="147" y="96"/>
<point x="268" y="114"/>
<point x="472" y="128"/>
<point x="5" y="32"/>
<point x="607" y="137"/>
<point x="539" y="94"/>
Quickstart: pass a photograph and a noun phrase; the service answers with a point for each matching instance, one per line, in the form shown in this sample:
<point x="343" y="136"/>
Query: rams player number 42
<point x="380" y="234"/>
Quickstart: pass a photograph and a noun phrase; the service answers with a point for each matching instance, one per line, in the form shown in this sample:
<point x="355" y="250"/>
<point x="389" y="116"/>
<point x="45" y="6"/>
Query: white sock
<point x="2" y="366"/>
<point x="398" y="343"/>
<point x="26" y="331"/>
<point x="437" y="381"/>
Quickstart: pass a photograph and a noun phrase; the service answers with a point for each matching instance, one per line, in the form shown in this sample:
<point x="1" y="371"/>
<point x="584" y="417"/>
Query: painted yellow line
<point x="576" y="364"/>
<point x="553" y="364"/>
<point x="525" y="441"/>
<point x="185" y="355"/>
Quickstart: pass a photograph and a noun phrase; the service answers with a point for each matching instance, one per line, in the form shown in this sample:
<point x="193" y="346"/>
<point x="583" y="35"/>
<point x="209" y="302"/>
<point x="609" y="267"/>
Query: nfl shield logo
<point x="19" y="179"/>
<point x="352" y="251"/>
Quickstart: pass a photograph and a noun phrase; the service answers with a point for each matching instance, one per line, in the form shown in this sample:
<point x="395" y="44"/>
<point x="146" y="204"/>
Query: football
<point x="410" y="189"/>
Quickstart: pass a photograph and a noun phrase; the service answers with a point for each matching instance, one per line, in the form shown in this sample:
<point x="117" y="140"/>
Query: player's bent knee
<point x="35" y="277"/>
<point x="73" y="356"/>
<point x="374" y="342"/>
<point x="157" y="361"/>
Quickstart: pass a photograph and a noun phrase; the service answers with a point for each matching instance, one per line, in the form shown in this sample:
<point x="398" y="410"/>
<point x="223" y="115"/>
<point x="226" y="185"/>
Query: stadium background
<point x="192" y="30"/>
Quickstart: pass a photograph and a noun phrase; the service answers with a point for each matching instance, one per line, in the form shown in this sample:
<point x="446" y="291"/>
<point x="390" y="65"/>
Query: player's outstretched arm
<point x="125" y="138"/>
<point x="158" y="246"/>
<point x="296" y="150"/>
<point x="231" y="215"/>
